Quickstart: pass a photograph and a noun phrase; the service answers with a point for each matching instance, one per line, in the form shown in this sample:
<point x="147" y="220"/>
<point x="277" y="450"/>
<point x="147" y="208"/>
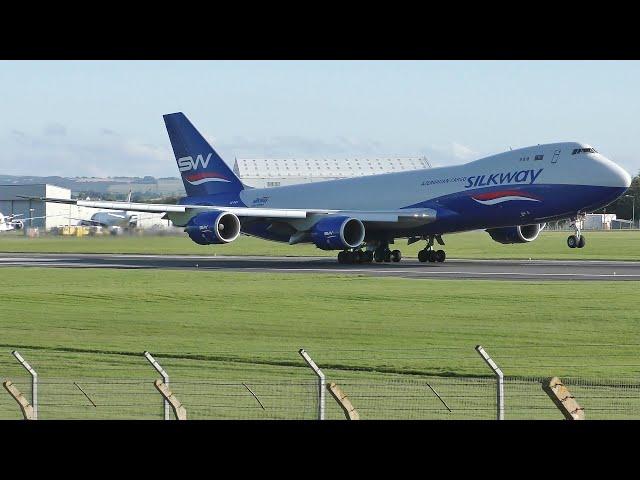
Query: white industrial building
<point x="598" y="221"/>
<point x="11" y="203"/>
<point x="274" y="172"/>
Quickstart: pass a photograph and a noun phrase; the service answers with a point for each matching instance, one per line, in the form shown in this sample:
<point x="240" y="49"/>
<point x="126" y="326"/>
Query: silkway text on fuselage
<point x="521" y="176"/>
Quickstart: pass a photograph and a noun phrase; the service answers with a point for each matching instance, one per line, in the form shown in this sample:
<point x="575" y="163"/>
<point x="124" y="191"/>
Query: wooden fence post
<point x="178" y="409"/>
<point x="563" y="399"/>
<point x="25" y="406"/>
<point x="347" y="407"/>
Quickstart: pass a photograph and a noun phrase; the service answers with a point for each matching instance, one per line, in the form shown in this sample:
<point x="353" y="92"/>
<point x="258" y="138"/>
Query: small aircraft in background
<point x="11" y="222"/>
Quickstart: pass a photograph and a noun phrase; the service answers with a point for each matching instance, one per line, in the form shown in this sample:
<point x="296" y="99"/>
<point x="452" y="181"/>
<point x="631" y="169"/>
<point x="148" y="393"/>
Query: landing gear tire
<point x="396" y="256"/>
<point x="582" y="242"/>
<point x="342" y="257"/>
<point x="440" y="256"/>
<point x="387" y="256"/>
<point x="423" y="255"/>
<point x="431" y="256"/>
<point x="379" y="255"/>
<point x="572" y="241"/>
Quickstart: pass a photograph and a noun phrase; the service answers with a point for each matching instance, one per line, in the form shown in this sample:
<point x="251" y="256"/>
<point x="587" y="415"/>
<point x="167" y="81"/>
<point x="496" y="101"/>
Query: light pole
<point x="633" y="210"/>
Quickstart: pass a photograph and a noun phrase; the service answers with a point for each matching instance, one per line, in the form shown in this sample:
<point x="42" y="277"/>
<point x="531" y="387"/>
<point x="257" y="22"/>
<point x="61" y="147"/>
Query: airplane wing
<point x="421" y="215"/>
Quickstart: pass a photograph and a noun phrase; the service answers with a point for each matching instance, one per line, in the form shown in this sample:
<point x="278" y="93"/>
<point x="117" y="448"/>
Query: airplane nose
<point x="616" y="176"/>
<point x="621" y="176"/>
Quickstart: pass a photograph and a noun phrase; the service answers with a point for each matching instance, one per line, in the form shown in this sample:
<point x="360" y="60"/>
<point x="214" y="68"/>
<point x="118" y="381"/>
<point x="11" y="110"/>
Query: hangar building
<point x="12" y="203"/>
<point x="275" y="172"/>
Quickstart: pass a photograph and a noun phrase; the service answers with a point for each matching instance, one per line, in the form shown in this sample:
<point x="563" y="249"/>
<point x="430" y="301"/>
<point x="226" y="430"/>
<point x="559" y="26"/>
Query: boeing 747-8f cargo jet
<point x="511" y="195"/>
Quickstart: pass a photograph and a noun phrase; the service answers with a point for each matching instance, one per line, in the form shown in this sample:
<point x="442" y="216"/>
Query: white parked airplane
<point x="114" y="219"/>
<point x="511" y="195"/>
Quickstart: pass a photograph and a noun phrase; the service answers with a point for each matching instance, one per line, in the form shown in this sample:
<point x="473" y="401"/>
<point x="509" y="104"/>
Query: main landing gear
<point x="428" y="254"/>
<point x="355" y="256"/>
<point x="577" y="240"/>
<point x="381" y="253"/>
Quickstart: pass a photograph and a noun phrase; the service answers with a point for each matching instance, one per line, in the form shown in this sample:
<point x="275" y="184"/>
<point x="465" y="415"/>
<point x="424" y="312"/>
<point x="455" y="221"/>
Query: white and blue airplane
<point x="113" y="219"/>
<point x="511" y="195"/>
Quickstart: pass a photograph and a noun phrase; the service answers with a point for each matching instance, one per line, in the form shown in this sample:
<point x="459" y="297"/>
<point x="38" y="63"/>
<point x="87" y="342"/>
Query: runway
<point x="407" y="268"/>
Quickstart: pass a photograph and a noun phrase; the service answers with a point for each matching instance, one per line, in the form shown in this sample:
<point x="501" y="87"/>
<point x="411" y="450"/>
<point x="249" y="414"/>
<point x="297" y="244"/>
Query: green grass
<point x="92" y="325"/>
<point x="612" y="245"/>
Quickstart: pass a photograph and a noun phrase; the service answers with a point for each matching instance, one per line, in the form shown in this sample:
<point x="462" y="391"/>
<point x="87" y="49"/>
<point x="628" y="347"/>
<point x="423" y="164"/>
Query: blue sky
<point x="105" y="117"/>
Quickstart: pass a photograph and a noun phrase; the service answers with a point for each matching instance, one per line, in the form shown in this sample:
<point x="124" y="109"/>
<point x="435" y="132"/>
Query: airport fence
<point x="431" y="383"/>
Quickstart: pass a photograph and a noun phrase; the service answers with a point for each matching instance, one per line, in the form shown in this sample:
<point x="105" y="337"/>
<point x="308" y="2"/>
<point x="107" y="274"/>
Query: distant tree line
<point x="121" y="197"/>
<point x="623" y="207"/>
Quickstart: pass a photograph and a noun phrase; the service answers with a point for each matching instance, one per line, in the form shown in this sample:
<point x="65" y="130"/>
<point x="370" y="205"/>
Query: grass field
<point x="611" y="245"/>
<point x="93" y="325"/>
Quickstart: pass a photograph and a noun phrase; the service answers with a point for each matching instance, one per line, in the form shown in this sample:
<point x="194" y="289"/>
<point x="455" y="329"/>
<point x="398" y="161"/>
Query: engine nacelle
<point x="213" y="228"/>
<point x="338" y="233"/>
<point x="518" y="234"/>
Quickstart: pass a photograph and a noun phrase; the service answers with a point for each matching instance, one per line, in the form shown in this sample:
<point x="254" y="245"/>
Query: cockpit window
<point x="583" y="150"/>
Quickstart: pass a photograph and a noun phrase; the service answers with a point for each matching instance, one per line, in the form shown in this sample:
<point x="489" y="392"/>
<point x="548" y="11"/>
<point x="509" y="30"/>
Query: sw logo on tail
<point x="188" y="163"/>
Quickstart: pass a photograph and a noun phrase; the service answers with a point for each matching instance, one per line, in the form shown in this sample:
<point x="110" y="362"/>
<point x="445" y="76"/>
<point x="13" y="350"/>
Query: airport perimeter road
<point x="407" y="268"/>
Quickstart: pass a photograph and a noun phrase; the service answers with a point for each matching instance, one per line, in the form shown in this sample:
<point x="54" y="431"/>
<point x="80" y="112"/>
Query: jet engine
<point x="213" y="228"/>
<point x="518" y="234"/>
<point x="338" y="233"/>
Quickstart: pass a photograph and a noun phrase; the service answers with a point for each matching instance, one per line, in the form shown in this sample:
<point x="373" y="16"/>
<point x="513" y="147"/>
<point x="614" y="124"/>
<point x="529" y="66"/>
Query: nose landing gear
<point x="577" y="240"/>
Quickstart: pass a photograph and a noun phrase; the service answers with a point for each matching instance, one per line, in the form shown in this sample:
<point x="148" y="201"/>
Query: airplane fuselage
<point x="518" y="187"/>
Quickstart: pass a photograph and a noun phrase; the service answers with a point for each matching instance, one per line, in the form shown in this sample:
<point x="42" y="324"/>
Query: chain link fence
<point x="404" y="384"/>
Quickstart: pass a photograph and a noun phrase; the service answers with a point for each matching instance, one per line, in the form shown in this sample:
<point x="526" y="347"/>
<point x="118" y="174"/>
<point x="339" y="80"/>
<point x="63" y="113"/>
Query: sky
<point x="104" y="118"/>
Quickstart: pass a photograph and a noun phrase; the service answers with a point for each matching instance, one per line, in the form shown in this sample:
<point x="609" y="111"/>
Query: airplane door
<point x="556" y="155"/>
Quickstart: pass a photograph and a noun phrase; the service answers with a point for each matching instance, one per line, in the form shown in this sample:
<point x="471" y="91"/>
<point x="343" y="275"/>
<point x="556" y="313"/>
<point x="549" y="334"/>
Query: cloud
<point x="449" y="154"/>
<point x="110" y="154"/>
<point x="55" y="129"/>
<point x="298" y="146"/>
<point x="462" y="152"/>
<point x="101" y="156"/>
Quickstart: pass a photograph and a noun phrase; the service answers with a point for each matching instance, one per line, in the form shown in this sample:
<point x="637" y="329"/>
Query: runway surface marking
<point x="407" y="268"/>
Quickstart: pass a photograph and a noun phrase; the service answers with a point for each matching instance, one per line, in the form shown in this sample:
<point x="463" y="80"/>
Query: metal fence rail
<point x="424" y="398"/>
<point x="381" y="384"/>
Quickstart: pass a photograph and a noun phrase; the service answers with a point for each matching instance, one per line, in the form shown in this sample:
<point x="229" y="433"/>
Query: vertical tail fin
<point x="203" y="171"/>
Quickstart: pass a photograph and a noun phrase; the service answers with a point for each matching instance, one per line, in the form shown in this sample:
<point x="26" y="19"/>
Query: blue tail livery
<point x="203" y="171"/>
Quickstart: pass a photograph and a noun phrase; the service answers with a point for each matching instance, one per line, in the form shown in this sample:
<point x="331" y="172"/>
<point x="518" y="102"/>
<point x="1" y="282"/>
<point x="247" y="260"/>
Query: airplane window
<point x="583" y="150"/>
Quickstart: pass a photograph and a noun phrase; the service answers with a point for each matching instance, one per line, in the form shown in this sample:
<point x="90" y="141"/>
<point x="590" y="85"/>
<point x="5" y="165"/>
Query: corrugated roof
<point x="324" y="167"/>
